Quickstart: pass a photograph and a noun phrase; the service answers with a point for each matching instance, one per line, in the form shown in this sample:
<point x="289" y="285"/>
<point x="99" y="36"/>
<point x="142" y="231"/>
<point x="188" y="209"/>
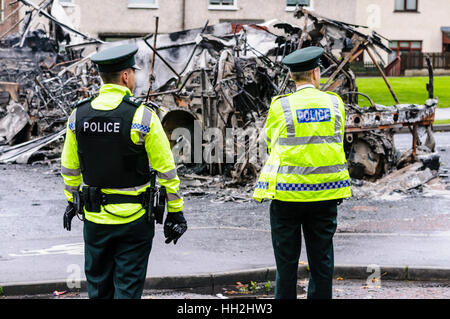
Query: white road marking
<point x="66" y="249"/>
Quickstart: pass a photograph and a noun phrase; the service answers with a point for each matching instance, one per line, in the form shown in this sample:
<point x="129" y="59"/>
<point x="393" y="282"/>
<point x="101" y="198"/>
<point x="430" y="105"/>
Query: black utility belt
<point x="94" y="198"/>
<point x="91" y="198"/>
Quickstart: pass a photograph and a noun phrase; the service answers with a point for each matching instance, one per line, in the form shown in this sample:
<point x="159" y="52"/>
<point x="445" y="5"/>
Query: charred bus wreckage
<point x="212" y="88"/>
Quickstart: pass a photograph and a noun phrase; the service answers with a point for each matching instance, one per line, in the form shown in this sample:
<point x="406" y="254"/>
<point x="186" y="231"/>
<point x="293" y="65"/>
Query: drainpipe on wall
<point x="2" y="14"/>
<point x="183" y="14"/>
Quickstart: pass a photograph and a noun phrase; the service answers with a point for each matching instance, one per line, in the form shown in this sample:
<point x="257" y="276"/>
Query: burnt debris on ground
<point x="212" y="88"/>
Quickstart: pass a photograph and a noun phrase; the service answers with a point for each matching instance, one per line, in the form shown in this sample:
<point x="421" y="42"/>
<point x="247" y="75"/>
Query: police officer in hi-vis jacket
<point x="305" y="176"/>
<point x="112" y="144"/>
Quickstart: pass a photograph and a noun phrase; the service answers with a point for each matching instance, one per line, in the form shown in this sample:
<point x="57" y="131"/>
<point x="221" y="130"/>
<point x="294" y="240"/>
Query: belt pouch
<point x="160" y="205"/>
<point x="92" y="199"/>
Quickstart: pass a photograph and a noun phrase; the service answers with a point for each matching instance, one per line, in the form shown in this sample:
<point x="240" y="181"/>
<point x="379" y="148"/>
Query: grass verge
<point x="437" y="122"/>
<point x="407" y="89"/>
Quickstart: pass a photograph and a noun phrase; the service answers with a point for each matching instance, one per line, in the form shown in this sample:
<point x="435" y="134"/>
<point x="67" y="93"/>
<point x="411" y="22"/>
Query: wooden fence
<point x="407" y="61"/>
<point x="417" y="60"/>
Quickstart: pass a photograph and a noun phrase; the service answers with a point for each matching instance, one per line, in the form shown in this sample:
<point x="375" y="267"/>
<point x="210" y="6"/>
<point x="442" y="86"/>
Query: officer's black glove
<point x="68" y="215"/>
<point x="174" y="227"/>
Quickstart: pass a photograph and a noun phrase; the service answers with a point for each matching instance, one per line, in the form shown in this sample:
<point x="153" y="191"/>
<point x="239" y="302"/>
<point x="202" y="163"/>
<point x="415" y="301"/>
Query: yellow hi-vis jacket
<point x="147" y="130"/>
<point x="304" y="134"/>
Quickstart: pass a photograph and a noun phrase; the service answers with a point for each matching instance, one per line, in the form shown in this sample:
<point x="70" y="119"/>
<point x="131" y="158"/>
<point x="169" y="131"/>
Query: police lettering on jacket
<point x="101" y="126"/>
<point x="313" y="115"/>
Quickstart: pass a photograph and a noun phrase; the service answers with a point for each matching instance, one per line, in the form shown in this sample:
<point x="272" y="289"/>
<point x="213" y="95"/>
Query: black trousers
<point x="318" y="221"/>
<point x="116" y="258"/>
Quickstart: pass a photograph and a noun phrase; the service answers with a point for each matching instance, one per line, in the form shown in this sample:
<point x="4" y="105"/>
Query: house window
<point x="145" y="4"/>
<point x="292" y="4"/>
<point x="406" y="5"/>
<point x="223" y="5"/>
<point x="399" y="47"/>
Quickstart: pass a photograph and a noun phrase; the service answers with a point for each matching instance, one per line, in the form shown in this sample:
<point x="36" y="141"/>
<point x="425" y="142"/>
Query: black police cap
<point x="304" y="59"/>
<point x="116" y="58"/>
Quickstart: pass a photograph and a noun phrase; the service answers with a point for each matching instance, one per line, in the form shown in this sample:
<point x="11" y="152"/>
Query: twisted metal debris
<point x="214" y="78"/>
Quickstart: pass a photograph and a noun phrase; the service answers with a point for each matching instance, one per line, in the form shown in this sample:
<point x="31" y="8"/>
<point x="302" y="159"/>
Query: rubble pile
<point x="40" y="92"/>
<point x="409" y="180"/>
<point x="41" y="78"/>
<point x="44" y="83"/>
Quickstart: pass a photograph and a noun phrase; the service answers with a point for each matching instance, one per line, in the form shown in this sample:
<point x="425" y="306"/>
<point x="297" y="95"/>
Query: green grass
<point x="407" y="89"/>
<point x="441" y="122"/>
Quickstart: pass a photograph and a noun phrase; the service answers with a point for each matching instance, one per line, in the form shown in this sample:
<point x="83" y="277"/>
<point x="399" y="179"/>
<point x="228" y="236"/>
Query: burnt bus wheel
<point x="180" y="119"/>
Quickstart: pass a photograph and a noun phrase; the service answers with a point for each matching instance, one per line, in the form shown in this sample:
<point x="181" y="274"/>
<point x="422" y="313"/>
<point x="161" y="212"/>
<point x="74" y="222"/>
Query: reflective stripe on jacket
<point x="146" y="130"/>
<point x="306" y="160"/>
